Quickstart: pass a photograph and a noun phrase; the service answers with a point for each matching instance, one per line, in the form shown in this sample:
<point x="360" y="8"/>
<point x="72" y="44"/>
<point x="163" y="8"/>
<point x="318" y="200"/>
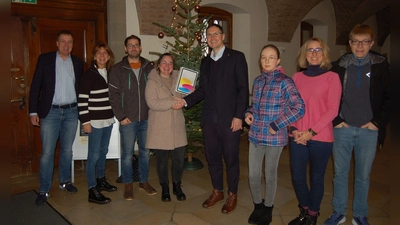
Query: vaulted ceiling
<point x="284" y="16"/>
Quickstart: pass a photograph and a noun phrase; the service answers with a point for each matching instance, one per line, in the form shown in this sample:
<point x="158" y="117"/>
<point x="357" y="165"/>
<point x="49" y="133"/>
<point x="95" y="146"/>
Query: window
<point x="221" y="17"/>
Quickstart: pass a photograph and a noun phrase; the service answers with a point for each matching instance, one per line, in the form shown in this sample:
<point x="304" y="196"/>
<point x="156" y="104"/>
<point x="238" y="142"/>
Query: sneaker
<point x="68" y="187"/>
<point x="360" y="220"/>
<point x="335" y="219"/>
<point x="42" y="198"/>
<point x="148" y="188"/>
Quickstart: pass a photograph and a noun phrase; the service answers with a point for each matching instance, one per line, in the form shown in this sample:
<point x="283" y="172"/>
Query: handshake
<point x="179" y="103"/>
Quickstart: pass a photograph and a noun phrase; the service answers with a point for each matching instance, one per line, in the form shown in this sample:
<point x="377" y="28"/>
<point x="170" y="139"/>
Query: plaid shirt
<point x="276" y="102"/>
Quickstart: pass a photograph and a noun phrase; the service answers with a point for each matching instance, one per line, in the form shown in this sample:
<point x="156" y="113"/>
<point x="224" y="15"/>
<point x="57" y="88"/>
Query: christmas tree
<point x="188" y="50"/>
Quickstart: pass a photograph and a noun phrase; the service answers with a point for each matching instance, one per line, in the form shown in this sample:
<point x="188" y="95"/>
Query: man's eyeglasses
<point x="216" y="34"/>
<point x="269" y="58"/>
<point x="316" y="50"/>
<point x="132" y="46"/>
<point x="356" y="42"/>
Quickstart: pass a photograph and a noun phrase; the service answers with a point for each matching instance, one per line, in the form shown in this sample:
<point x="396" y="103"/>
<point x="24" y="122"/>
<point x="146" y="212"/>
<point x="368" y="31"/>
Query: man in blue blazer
<point x="225" y="90"/>
<point x="53" y="107"/>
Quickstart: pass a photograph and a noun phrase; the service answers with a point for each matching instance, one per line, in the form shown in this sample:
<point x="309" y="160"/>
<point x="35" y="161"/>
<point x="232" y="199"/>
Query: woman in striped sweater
<point x="97" y="118"/>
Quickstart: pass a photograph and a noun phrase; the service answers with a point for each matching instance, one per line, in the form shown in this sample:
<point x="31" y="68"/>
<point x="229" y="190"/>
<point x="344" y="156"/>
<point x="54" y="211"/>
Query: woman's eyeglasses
<point x="316" y="50"/>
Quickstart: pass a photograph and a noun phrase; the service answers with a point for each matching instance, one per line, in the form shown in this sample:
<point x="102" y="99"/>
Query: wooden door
<point x="21" y="148"/>
<point x="32" y="37"/>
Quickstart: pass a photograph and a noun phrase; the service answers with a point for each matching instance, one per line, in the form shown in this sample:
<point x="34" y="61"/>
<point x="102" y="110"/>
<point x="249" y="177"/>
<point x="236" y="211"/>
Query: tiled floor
<point x="145" y="209"/>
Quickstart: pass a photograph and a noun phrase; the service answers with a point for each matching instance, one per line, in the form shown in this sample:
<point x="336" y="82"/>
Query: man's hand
<point x="35" y="120"/>
<point x="236" y="124"/>
<point x="126" y="121"/>
<point x="370" y="126"/>
<point x="342" y="124"/>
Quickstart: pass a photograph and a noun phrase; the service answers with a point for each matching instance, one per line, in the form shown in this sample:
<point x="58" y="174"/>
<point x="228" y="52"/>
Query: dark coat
<point x="232" y="93"/>
<point x="378" y="91"/>
<point x="126" y="92"/>
<point x="44" y="82"/>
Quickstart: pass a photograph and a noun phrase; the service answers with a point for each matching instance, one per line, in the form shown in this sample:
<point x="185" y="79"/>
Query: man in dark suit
<point x="53" y="100"/>
<point x="225" y="90"/>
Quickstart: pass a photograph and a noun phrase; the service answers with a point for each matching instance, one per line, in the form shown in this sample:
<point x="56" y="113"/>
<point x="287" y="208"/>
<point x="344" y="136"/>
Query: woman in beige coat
<point x="166" y="133"/>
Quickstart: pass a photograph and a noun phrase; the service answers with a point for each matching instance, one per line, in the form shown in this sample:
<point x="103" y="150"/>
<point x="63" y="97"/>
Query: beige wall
<point x="250" y="29"/>
<point x="116" y="27"/>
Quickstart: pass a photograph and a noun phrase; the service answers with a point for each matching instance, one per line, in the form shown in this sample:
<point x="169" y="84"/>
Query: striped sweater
<point x="93" y="101"/>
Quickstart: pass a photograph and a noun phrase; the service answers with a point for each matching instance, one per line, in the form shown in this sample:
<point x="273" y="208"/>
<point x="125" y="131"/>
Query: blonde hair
<point x="302" y="56"/>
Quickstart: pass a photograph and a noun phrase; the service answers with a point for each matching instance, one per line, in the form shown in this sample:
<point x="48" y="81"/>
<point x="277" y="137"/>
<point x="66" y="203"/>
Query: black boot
<point x="301" y="219"/>
<point x="256" y="214"/>
<point x="165" y="197"/>
<point x="178" y="191"/>
<point x="311" y="220"/>
<point x="266" y="216"/>
<point x="102" y="184"/>
<point x="97" y="197"/>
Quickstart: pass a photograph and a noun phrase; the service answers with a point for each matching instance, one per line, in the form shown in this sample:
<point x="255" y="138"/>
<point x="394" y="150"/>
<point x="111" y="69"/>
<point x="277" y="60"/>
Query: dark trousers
<point x="316" y="153"/>
<point x="221" y="143"/>
<point x="177" y="158"/>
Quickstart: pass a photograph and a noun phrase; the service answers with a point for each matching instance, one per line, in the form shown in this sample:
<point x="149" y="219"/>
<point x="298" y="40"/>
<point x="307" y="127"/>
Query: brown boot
<point x="148" y="188"/>
<point x="128" y="193"/>
<point x="216" y="196"/>
<point x="230" y="203"/>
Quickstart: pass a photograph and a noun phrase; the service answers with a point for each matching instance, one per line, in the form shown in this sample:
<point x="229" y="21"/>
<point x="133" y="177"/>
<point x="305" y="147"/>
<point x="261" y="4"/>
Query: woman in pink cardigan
<point x="311" y="137"/>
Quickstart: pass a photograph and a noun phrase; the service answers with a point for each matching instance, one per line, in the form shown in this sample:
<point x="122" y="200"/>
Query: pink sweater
<point x="321" y="95"/>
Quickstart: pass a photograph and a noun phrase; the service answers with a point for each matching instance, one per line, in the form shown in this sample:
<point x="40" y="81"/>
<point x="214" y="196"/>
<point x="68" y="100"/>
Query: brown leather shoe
<point x="128" y="193"/>
<point x="230" y="203"/>
<point x="148" y="188"/>
<point x="215" y="197"/>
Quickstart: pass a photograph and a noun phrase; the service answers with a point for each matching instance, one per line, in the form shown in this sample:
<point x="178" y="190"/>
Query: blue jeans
<point x="317" y="153"/>
<point x="59" y="123"/>
<point x="364" y="143"/>
<point x="129" y="133"/>
<point x="99" y="139"/>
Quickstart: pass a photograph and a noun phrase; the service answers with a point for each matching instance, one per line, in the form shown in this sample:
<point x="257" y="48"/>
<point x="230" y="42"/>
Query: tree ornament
<point x="197" y="8"/>
<point x="161" y="35"/>
<point x="174" y="8"/>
